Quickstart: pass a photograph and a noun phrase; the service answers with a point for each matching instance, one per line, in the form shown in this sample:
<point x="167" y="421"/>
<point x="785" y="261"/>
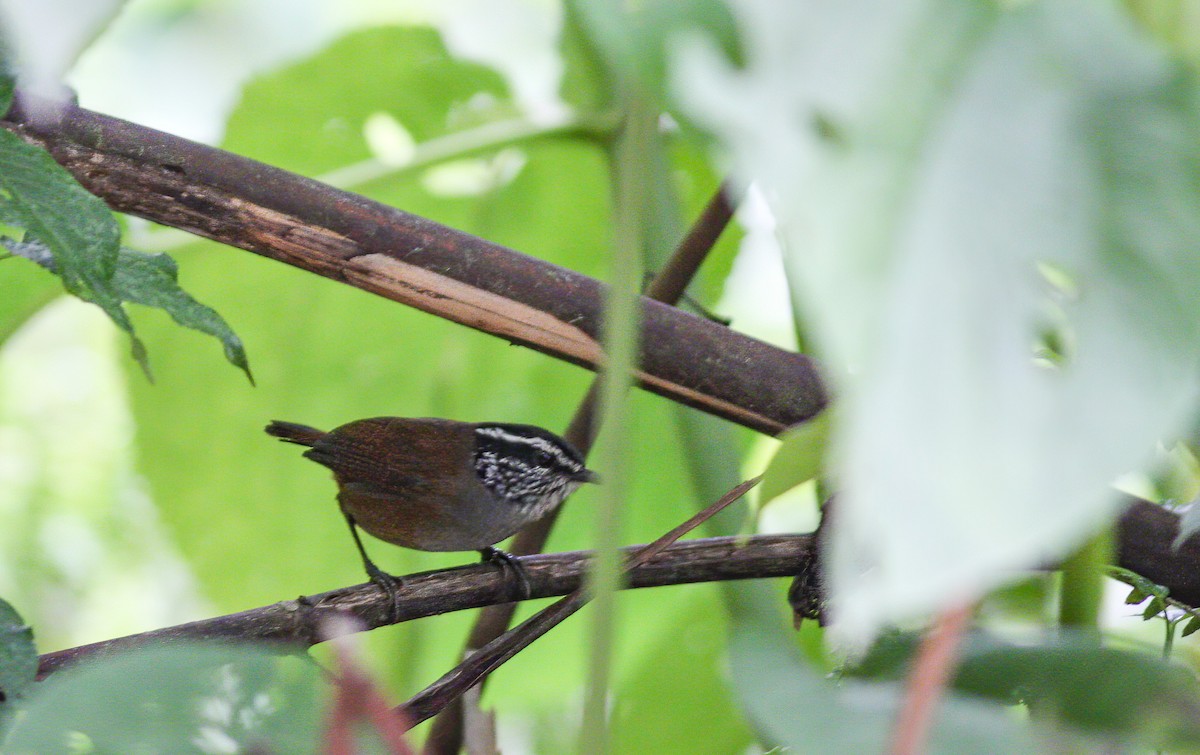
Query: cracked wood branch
<point x="412" y="260"/>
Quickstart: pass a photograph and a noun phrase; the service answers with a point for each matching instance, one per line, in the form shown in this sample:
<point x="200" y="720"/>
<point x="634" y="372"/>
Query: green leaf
<point x="160" y="699"/>
<point x="18" y="657"/>
<point x="1192" y="625"/>
<point x="1135" y="596"/>
<point x="68" y="230"/>
<point x="413" y="79"/>
<point x="152" y="280"/>
<point x="6" y="86"/>
<point x="1070" y="679"/>
<point x="1154" y="608"/>
<point x="922" y="159"/>
<point x="26" y="289"/>
<point x="1140" y="584"/>
<point x="795" y="706"/>
<point x="798" y="459"/>
<point x="77" y="228"/>
<point x="631" y="40"/>
<point x="690" y="675"/>
<point x="1136" y="697"/>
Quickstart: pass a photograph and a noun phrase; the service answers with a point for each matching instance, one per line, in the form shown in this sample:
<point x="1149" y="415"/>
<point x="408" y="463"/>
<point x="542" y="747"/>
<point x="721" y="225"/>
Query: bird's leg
<point x="389" y="584"/>
<point x="508" y="562"/>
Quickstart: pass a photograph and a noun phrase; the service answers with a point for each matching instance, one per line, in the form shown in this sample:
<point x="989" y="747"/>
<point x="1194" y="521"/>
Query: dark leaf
<point x="150" y="280"/>
<point x="153" y="281"/>
<point x="18" y="656"/>
<point x="43" y="198"/>
<point x="1135" y="596"/>
<point x="1134" y="696"/>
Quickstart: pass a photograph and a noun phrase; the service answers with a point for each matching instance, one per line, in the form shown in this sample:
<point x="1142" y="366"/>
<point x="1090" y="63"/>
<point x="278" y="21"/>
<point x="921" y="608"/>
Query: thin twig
<point x="487" y="659"/>
<point x="931" y="671"/>
<point x="296" y="624"/>
<point x="358" y="702"/>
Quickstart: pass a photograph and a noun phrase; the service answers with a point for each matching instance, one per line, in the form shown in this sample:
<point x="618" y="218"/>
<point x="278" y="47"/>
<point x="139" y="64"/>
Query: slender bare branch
<point x="932" y="669"/>
<point x="297" y="623"/>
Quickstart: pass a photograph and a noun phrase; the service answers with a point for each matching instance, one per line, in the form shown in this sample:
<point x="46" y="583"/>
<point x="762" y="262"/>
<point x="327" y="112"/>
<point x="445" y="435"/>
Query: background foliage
<point x="907" y="184"/>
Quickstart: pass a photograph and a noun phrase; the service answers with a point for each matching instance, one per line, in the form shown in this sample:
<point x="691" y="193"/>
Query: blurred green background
<point x="130" y="506"/>
<point x="139" y="505"/>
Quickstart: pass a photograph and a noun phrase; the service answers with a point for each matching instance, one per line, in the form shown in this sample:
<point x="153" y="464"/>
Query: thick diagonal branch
<point x="352" y="239"/>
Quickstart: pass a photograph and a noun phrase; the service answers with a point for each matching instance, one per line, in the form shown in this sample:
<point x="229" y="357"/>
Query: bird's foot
<point x="391" y="588"/>
<point x="508" y="563"/>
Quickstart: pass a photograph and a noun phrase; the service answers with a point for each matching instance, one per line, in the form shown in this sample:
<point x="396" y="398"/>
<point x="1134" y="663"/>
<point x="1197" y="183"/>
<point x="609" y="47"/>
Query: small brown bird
<point x="441" y="485"/>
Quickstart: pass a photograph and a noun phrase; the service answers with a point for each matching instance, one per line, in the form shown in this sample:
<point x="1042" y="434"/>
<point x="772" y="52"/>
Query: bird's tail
<point x="302" y="435"/>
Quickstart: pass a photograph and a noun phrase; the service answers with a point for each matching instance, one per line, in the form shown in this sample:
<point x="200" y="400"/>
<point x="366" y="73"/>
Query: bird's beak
<point x="587" y="475"/>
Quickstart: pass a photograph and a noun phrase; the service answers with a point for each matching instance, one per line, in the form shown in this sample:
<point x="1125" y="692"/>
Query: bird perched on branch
<point x="441" y="485"/>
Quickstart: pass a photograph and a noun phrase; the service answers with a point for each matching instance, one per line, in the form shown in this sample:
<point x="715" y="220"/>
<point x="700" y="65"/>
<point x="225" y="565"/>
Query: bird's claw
<point x="391" y="588"/>
<point x="509" y="563"/>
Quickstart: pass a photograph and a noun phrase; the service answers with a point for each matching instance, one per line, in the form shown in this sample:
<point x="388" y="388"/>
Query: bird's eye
<point x="544" y="458"/>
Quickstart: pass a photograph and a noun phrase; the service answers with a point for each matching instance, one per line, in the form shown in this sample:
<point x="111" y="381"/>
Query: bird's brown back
<point x="393" y="454"/>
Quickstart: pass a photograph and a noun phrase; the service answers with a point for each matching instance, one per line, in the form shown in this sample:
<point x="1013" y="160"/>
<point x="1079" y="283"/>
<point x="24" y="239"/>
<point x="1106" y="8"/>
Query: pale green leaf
<point x="922" y="159"/>
<point x="799" y="458"/>
<point x="158" y="698"/>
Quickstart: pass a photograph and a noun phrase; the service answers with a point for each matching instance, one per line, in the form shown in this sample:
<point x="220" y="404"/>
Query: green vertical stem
<point x="1082" y="590"/>
<point x="631" y="189"/>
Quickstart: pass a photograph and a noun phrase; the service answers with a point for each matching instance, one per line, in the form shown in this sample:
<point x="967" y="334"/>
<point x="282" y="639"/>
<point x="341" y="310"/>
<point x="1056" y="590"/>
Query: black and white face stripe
<point x="527" y="466"/>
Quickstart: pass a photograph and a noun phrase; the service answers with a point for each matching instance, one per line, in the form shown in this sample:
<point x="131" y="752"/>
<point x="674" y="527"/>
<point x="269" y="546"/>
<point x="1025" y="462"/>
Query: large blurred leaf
<point x="215" y="698"/>
<point x="46" y="37"/>
<point x="675" y="695"/>
<point x="1175" y="23"/>
<point x="923" y="158"/>
<point x="320" y="106"/>
<point x="25" y="290"/>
